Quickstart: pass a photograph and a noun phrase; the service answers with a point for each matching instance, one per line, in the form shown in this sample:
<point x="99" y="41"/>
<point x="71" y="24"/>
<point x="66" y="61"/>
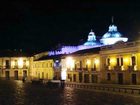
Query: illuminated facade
<point x="42" y="69"/>
<point x="114" y="64"/>
<point x="46" y="67"/>
<point x="82" y="66"/>
<point x="14" y="66"/>
<point x="113" y="61"/>
<point x="121" y="63"/>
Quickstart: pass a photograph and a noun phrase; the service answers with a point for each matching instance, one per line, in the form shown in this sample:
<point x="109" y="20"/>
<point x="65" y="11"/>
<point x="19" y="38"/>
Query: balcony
<point x="7" y="67"/>
<point x="85" y="69"/>
<point x="25" y="67"/>
<point x="79" y="69"/>
<point x="108" y="68"/>
<point x="132" y="68"/>
<point x="15" y="67"/>
<point x="93" y="69"/>
<point x="117" y="68"/>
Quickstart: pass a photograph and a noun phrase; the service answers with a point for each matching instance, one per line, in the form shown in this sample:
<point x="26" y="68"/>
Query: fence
<point x="106" y="87"/>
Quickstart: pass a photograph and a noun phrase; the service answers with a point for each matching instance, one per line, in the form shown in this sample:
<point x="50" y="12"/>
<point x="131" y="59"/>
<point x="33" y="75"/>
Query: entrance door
<point x="7" y="75"/>
<point x="42" y="75"/>
<point x="80" y="77"/>
<point x="16" y="75"/>
<point x="120" y="78"/>
<point x="134" y="79"/>
<point x="86" y="78"/>
<point x="24" y="73"/>
<point x="74" y="77"/>
<point x="94" y="78"/>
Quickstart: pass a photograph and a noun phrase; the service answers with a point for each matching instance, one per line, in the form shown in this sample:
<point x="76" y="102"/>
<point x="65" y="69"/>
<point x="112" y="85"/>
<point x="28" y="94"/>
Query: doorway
<point x="80" y="77"/>
<point x="24" y="73"/>
<point x="7" y="75"/>
<point x="86" y="78"/>
<point x="16" y="75"/>
<point x="120" y="78"/>
<point x="134" y="79"/>
<point x="94" y="78"/>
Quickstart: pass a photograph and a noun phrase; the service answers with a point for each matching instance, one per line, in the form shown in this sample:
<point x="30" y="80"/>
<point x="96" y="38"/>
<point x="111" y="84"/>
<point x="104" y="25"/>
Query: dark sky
<point x="43" y="25"/>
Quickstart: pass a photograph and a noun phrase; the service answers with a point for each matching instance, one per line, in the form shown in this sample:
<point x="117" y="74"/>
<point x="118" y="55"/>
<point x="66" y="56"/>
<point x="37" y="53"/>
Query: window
<point x="7" y="64"/>
<point x="75" y="66"/>
<point x="51" y="65"/>
<point x="94" y="66"/>
<point x="133" y="59"/>
<point x="108" y="61"/>
<point x="80" y="64"/>
<point x="16" y="64"/>
<point x="108" y="76"/>
<point x="46" y="64"/>
<point x="24" y="62"/>
<point x="118" y="62"/>
<point x="42" y="65"/>
<point x="121" y="61"/>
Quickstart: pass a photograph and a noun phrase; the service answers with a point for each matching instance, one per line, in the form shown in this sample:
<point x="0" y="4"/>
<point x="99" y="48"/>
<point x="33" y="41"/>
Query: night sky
<point x="43" y="25"/>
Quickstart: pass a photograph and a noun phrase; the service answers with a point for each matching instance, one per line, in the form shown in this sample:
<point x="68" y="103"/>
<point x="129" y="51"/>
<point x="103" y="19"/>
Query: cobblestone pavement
<point x="18" y="93"/>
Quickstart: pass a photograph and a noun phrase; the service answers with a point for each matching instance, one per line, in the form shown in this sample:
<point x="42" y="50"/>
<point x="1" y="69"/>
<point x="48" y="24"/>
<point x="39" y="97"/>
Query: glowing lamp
<point x="96" y="61"/>
<point x="126" y="60"/>
<point x="88" y="62"/>
<point x="20" y="63"/>
<point x="69" y="63"/>
<point x="113" y="61"/>
<point x="13" y="63"/>
<point x="63" y="75"/>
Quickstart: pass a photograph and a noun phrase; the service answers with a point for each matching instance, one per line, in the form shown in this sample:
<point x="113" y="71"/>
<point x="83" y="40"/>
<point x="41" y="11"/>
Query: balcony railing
<point x="82" y="69"/>
<point x="117" y="68"/>
<point x="7" y="67"/>
<point x="85" y="69"/>
<point x="24" y="67"/>
<point x="108" y="68"/>
<point x="132" y="68"/>
<point x="93" y="69"/>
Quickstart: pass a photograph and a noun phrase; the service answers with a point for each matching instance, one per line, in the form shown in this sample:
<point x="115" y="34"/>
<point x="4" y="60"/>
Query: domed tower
<point x="112" y="36"/>
<point x="91" y="39"/>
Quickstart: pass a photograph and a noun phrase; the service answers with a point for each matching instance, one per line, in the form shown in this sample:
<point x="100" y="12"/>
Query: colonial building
<point x="121" y="63"/>
<point x="42" y="69"/>
<point x="82" y="66"/>
<point x="46" y="67"/>
<point x="14" y="64"/>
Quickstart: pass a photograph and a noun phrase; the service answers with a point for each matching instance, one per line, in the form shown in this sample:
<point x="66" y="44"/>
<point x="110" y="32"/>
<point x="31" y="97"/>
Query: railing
<point x="106" y="87"/>
<point x="117" y="68"/>
<point x="93" y="69"/>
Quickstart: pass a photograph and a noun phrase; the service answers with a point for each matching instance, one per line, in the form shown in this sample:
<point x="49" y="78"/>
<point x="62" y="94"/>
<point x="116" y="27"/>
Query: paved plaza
<point x="19" y="93"/>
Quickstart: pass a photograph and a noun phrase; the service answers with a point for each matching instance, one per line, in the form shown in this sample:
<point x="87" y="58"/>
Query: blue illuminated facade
<point x="111" y="37"/>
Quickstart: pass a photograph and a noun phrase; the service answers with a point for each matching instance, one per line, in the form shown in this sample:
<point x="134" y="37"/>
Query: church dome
<point x="112" y="36"/>
<point x="112" y="32"/>
<point x="91" y="39"/>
